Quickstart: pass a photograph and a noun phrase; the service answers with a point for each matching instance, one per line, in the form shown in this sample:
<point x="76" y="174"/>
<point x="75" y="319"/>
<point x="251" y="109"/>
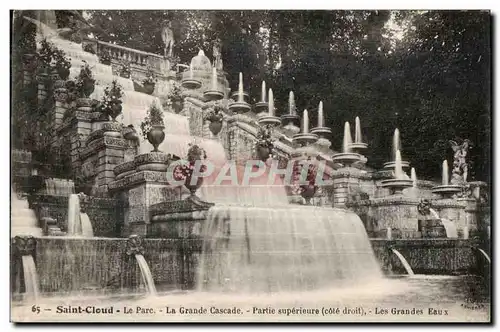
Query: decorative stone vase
<point x="63" y="73"/>
<point x="115" y="110"/>
<point x="193" y="187"/>
<point x="130" y="134"/>
<point x="156" y="136"/>
<point x="88" y="87"/>
<point x="215" y="127"/>
<point x="308" y="192"/>
<point x="263" y="152"/>
<point x="149" y="88"/>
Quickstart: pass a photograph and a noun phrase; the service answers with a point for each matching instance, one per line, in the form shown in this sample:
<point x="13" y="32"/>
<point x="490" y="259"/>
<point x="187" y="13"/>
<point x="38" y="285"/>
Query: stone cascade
<point x="387" y="200"/>
<point x="23" y="219"/>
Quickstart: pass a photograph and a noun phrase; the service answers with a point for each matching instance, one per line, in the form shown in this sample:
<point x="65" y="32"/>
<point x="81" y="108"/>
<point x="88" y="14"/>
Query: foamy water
<point x="405" y="299"/>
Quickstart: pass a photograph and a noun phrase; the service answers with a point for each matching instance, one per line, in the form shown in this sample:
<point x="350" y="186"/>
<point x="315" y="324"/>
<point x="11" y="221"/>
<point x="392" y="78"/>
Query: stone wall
<point x="436" y="256"/>
<point x="103" y="266"/>
<point x="106" y="214"/>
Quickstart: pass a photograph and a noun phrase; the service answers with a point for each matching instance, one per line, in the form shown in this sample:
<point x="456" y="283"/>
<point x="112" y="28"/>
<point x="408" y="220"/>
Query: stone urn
<point x="193" y="187"/>
<point x="263" y="152"/>
<point x="215" y="127"/>
<point x="156" y="136"/>
<point x="115" y="110"/>
<point x="308" y="192"/>
<point x="63" y="73"/>
<point x="149" y="87"/>
<point x="129" y="133"/>
<point x="88" y="87"/>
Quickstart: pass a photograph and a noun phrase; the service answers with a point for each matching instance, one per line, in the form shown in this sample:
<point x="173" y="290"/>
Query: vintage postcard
<point x="250" y="166"/>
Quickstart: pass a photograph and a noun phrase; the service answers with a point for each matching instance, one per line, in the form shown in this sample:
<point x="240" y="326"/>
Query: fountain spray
<point x="263" y="92"/>
<point x="398" y="171"/>
<point x="305" y="122"/>
<point x="396" y="143"/>
<point x="357" y="132"/>
<point x="271" y="102"/>
<point x="321" y="117"/>
<point x="346" y="144"/>
<point x="240" y="89"/>
<point x="414" y="177"/>
<point x="445" y="173"/>
<point x="291" y="104"/>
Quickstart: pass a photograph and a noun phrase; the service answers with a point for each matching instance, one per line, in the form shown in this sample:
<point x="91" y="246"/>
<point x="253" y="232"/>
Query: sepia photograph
<point x="233" y="166"/>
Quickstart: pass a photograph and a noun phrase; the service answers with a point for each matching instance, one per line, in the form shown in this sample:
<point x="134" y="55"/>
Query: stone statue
<point x="217" y="55"/>
<point x="460" y="165"/>
<point x="167" y="36"/>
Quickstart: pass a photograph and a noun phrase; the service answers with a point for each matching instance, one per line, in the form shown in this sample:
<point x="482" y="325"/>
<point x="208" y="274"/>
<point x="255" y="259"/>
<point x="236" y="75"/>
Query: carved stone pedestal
<point x="140" y="190"/>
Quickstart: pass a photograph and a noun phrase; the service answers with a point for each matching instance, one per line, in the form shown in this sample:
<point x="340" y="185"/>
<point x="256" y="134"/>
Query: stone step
<point x="19" y="204"/>
<point x="23" y="231"/>
<point x="24" y="222"/>
<point x="23" y="214"/>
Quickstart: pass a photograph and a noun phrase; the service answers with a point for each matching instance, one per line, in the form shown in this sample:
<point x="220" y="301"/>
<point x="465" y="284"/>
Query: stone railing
<point x="136" y="58"/>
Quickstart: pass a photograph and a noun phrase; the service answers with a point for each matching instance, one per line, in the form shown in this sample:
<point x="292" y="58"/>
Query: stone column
<point x="140" y="189"/>
<point x="398" y="213"/>
<point x="61" y="104"/>
<point x="81" y="124"/>
<point x="29" y="66"/>
<point x="104" y="153"/>
<point x="345" y="182"/>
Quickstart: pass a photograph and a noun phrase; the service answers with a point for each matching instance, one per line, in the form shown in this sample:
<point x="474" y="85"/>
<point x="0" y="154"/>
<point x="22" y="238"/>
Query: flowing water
<point x="346" y="143"/>
<point x="23" y="219"/>
<point x="30" y="278"/>
<point x="59" y="187"/>
<point x="78" y="223"/>
<point x="404" y="262"/>
<point x="135" y="104"/>
<point x="485" y="255"/>
<point x="266" y="253"/>
<point x="284" y="248"/>
<point x="445" y="171"/>
<point x="465" y="299"/>
<point x="357" y="133"/>
<point x="449" y="226"/>
<point x="146" y="276"/>
<point x="396" y="143"/>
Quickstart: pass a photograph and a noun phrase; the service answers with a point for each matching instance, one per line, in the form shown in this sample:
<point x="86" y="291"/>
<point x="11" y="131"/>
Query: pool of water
<point x="400" y="298"/>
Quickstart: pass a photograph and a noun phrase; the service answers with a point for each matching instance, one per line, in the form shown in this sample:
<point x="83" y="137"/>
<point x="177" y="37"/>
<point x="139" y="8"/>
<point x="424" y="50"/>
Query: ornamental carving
<point x="135" y="245"/>
<point x="124" y="167"/>
<point x="190" y="204"/>
<point x="424" y="207"/>
<point x="152" y="157"/>
<point x="61" y="95"/>
<point x="460" y="169"/>
<point x="25" y="245"/>
<point x="112" y="126"/>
